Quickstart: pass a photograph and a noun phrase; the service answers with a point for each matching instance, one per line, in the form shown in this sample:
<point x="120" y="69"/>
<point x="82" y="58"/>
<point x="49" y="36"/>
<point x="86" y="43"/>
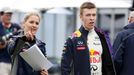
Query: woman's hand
<point x="44" y="72"/>
<point x="29" y="35"/>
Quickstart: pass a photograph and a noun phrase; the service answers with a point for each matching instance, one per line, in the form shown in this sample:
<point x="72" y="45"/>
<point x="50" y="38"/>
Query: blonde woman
<point x="28" y="38"/>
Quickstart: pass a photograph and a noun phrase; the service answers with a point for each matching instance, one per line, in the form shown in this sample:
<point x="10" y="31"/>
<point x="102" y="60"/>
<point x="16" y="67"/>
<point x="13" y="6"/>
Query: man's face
<point x="88" y="18"/>
<point x="6" y="17"/>
<point x="131" y="19"/>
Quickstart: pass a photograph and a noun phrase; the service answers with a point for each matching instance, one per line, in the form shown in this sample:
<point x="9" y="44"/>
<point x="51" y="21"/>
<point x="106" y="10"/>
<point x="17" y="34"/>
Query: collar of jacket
<point x="85" y="32"/>
<point x="129" y="26"/>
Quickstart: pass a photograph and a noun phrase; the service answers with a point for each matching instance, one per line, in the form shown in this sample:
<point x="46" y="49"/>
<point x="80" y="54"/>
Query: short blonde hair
<point x="31" y="14"/>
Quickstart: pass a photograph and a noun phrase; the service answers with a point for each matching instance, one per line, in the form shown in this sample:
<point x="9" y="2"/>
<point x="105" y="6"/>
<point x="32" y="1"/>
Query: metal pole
<point x="112" y="25"/>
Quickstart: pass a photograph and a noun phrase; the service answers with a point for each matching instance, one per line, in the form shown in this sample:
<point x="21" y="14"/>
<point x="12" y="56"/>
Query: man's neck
<point x="91" y="30"/>
<point x="88" y="29"/>
<point x="7" y="25"/>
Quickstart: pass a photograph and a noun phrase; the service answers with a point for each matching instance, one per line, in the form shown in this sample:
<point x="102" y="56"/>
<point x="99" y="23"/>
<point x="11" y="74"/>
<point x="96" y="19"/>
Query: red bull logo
<point x="76" y="34"/>
<point x="95" y="56"/>
<point x="94" y="52"/>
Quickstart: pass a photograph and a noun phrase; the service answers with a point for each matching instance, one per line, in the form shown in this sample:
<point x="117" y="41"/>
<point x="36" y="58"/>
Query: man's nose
<point x="92" y="18"/>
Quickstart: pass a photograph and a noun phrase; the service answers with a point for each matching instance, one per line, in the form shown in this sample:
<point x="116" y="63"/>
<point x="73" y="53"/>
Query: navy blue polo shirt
<point x="4" y="55"/>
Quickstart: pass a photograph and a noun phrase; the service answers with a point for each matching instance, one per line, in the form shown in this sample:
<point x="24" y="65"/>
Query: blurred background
<point x="59" y="18"/>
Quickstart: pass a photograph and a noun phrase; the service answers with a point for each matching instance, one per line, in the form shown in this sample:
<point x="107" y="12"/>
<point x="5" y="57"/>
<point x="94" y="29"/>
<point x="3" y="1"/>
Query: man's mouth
<point x="91" y="22"/>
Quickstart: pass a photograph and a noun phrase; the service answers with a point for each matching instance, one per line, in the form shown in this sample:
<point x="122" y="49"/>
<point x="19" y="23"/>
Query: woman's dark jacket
<point x="23" y="68"/>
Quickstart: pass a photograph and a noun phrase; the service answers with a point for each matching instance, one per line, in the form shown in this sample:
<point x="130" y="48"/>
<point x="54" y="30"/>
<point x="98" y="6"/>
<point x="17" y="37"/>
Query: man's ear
<point x="80" y="16"/>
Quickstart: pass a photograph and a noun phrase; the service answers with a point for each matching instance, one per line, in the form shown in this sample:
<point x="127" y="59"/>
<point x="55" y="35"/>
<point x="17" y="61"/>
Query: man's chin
<point x="91" y="27"/>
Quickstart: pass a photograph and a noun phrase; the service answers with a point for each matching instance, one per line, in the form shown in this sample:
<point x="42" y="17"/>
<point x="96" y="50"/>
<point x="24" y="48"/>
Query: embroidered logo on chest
<point x="80" y="45"/>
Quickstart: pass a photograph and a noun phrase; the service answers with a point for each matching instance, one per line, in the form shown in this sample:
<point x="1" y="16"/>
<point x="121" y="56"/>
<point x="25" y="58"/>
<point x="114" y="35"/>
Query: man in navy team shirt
<point x="6" y="27"/>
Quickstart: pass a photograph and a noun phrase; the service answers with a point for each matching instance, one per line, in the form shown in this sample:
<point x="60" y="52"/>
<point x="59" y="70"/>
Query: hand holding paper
<point x="35" y="58"/>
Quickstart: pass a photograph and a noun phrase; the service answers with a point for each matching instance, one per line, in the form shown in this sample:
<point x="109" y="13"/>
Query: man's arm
<point x="2" y="45"/>
<point x="67" y="58"/>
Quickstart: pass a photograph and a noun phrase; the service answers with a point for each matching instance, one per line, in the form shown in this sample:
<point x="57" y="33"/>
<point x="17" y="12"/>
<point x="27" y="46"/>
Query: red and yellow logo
<point x="76" y="34"/>
<point x="95" y="56"/>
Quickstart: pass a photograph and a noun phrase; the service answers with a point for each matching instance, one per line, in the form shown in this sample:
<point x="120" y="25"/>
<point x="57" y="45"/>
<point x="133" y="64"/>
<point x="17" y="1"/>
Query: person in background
<point x="0" y="15"/>
<point x="19" y="65"/>
<point x="124" y="48"/>
<point x="131" y="17"/>
<point x="7" y="28"/>
<point x="87" y="51"/>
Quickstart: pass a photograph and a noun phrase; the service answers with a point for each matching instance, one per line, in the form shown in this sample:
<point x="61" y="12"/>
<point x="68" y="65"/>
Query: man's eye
<point x="94" y="14"/>
<point x="88" y="15"/>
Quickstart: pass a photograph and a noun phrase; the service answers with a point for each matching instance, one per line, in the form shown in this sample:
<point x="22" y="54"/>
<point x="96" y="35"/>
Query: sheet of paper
<point x="35" y="58"/>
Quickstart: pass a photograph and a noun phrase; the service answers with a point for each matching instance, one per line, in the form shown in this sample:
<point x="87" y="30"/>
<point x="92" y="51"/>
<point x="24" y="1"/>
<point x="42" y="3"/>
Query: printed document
<point x="35" y="58"/>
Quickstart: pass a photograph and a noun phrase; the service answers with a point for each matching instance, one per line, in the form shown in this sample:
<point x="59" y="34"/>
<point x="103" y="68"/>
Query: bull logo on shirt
<point x="95" y="56"/>
<point x="76" y="34"/>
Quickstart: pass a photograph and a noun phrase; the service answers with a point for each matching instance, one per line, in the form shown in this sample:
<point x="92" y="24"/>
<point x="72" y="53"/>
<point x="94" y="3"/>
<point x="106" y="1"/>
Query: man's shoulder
<point x="124" y="33"/>
<point x="13" y="23"/>
<point x="99" y="30"/>
<point x="16" y="26"/>
<point x="1" y="25"/>
<point x="75" y="34"/>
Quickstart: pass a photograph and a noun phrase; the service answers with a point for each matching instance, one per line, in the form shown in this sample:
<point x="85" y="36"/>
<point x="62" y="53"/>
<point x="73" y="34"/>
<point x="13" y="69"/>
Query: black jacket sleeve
<point x="67" y="58"/>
